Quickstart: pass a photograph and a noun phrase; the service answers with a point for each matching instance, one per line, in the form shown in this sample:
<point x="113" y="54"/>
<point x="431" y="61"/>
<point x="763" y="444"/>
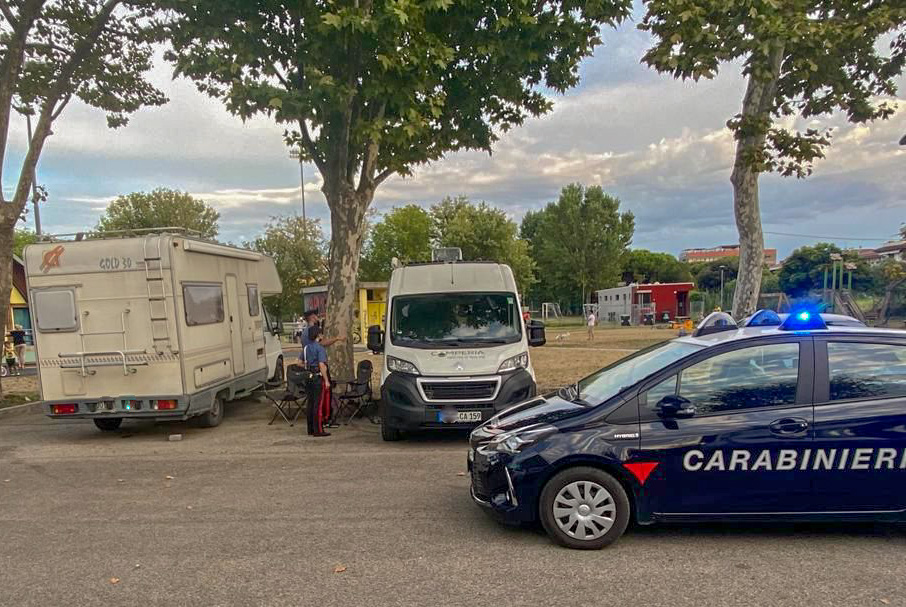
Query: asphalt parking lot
<point x="250" y="514"/>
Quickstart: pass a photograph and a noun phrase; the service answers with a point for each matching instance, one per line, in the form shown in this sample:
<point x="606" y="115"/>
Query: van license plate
<point x="468" y="416"/>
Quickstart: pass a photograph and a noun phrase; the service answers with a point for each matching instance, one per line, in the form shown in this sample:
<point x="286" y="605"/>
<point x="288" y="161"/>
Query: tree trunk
<point x="750" y="139"/>
<point x="347" y="235"/>
<point x="6" y="276"/>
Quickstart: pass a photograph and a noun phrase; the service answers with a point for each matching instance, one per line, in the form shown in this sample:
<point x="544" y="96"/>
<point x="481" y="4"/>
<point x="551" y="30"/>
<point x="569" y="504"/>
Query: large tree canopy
<point x="806" y="268"/>
<point x="802" y="58"/>
<point x="578" y="243"/>
<point x="160" y="208"/>
<point x="54" y="51"/>
<point x="641" y="265"/>
<point x="297" y="247"/>
<point x="404" y="233"/>
<point x="483" y="233"/>
<point x="372" y="88"/>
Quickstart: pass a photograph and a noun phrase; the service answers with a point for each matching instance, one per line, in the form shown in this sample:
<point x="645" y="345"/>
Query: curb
<point x="32" y="407"/>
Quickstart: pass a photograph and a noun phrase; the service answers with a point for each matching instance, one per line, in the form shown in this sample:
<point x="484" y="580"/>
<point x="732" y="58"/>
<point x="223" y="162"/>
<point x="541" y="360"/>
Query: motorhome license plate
<point x="468" y="416"/>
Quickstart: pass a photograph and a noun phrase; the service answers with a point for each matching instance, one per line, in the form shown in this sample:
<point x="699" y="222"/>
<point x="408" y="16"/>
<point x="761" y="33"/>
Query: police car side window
<point x="748" y="378"/>
<point x="660" y="390"/>
<point x="860" y="370"/>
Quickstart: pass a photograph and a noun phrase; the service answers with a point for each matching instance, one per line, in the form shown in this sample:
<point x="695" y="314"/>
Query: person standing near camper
<point x="591" y="325"/>
<point x="312" y="320"/>
<point x="318" y="387"/>
<point x="18" y="335"/>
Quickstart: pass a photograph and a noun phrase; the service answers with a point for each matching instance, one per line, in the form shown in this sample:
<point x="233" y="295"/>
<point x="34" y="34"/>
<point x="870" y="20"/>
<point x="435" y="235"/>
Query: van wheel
<point x="108" y="424"/>
<point x="212" y="418"/>
<point x="279" y="373"/>
<point x="390" y="434"/>
<point x="584" y="508"/>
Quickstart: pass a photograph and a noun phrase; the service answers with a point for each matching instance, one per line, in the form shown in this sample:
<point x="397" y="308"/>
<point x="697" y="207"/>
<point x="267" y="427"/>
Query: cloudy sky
<point x="660" y="145"/>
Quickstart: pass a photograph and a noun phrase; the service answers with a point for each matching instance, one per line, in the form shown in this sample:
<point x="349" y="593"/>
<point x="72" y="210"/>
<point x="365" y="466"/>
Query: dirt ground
<point x="567" y="357"/>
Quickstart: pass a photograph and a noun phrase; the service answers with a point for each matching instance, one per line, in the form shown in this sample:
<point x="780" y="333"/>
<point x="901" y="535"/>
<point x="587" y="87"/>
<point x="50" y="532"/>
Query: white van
<point x="162" y="326"/>
<point x="455" y="346"/>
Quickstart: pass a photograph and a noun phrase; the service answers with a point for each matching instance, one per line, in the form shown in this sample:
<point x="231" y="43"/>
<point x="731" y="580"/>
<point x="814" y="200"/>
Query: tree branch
<point x="10" y="66"/>
<point x="63" y="82"/>
<point x="310" y="146"/>
<point x="62" y="105"/>
<point x="382" y="176"/>
<point x="4" y="7"/>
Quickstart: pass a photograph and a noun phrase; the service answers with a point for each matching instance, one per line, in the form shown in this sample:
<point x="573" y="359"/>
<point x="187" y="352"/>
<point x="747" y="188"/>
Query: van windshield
<point x="455" y="320"/>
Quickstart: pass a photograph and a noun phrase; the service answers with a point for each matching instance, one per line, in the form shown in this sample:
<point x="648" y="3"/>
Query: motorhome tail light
<point x="163" y="405"/>
<point x="66" y="409"/>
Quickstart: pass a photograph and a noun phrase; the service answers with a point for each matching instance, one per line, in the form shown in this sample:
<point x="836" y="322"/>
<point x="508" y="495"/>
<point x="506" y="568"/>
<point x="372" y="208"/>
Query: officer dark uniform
<point x="318" y="387"/>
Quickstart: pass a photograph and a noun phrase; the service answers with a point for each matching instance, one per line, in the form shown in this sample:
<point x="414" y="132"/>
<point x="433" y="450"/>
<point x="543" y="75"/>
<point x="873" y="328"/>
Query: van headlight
<point x="401" y="366"/>
<point x="520" y="361"/>
<point x="515" y="441"/>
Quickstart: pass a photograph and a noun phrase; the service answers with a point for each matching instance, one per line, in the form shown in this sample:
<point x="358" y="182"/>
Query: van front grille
<point x="459" y="391"/>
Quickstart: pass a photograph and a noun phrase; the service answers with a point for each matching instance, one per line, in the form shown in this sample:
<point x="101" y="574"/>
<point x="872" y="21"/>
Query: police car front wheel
<point x="584" y="508"/>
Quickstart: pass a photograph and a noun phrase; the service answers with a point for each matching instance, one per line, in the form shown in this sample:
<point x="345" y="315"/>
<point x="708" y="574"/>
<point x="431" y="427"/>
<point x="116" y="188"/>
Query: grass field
<point x="567" y="357"/>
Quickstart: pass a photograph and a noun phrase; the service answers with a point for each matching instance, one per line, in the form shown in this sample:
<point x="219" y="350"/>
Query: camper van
<point x="455" y="346"/>
<point x="161" y="326"/>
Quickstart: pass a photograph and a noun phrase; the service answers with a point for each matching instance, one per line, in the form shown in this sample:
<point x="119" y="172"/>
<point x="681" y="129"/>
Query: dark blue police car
<point x="778" y="419"/>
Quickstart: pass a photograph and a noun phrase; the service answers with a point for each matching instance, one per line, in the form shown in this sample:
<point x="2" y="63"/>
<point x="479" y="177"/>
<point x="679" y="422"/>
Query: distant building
<point x="895" y="250"/>
<point x="722" y="252"/>
<point x="635" y="301"/>
<point x="870" y="256"/>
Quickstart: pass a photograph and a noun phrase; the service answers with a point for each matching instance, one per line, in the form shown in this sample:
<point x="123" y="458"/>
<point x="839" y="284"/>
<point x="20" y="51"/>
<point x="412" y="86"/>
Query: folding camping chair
<point x="358" y="392"/>
<point x="290" y="404"/>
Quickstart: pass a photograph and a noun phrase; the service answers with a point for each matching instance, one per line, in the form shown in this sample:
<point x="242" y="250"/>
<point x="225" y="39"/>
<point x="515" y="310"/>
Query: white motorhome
<point x="162" y="326"/>
<point x="455" y="346"/>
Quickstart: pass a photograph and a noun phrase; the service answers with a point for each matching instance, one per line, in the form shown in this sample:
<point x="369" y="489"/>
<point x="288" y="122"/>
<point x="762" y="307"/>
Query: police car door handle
<point x="789" y="426"/>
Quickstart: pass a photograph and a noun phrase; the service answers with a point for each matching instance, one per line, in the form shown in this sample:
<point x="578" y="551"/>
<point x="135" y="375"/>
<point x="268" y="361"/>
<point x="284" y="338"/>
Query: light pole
<point x="722" y="268"/>
<point x="297" y="155"/>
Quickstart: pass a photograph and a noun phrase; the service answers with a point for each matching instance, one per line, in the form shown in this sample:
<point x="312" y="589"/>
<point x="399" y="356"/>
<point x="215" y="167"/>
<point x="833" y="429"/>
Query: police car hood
<point x="542" y="410"/>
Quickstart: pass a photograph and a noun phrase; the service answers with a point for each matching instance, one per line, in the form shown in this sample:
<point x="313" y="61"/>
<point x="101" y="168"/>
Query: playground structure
<point x="837" y="297"/>
<point x="550" y="310"/>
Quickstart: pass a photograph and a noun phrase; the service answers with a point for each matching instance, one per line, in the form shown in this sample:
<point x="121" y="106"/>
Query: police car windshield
<point x="610" y="381"/>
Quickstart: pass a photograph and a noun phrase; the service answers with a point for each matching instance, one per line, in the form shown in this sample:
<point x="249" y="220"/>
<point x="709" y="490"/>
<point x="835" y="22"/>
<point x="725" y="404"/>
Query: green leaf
<point x="275" y="102"/>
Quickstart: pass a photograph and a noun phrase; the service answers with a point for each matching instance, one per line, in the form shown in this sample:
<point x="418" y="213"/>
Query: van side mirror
<point x="675" y="406"/>
<point x="375" y="339"/>
<point x="277" y="329"/>
<point x="536" y="335"/>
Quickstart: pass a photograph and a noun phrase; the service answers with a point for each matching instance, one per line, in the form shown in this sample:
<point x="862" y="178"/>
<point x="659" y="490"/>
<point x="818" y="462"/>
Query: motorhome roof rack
<point x="103" y="234"/>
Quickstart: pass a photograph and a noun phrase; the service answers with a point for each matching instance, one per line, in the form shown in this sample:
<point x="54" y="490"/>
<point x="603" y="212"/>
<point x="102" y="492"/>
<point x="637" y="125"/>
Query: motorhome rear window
<point x="254" y="307"/>
<point x="204" y="304"/>
<point x="55" y="310"/>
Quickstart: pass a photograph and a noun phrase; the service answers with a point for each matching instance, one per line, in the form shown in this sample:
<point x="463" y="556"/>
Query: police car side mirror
<point x="675" y="406"/>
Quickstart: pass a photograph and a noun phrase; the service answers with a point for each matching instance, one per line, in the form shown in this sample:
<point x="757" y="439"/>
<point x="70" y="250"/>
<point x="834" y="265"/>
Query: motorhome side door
<point x="235" y="319"/>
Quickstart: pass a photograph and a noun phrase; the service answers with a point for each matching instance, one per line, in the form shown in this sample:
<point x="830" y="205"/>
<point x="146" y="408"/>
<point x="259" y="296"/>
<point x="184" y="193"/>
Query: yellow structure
<point x="372" y="298"/>
<point x="17" y="312"/>
<point x="371" y="304"/>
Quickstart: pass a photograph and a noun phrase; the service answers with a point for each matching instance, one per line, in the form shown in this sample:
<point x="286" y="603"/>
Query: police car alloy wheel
<point x="584" y="508"/>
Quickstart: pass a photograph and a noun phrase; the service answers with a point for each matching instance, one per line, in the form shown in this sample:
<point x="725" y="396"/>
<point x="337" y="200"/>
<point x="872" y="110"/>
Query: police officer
<point x="318" y="387"/>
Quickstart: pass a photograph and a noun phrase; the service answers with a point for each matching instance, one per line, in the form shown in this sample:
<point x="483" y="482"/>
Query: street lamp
<point x="296" y="154"/>
<point x="722" y="268"/>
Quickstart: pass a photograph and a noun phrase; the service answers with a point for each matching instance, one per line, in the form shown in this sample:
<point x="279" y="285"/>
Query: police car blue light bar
<point x="803" y="320"/>
<point x="715" y="322"/>
<point x="764" y="318"/>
